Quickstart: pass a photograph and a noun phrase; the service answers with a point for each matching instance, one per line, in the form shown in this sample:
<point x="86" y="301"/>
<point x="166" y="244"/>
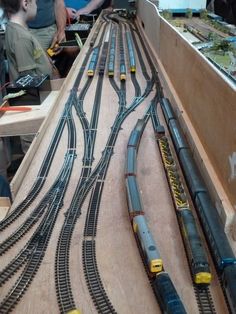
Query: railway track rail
<point x="204" y="300"/>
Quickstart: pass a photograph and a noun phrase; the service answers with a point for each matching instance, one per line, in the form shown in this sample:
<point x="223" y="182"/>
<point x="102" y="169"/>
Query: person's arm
<point x="60" y="14"/>
<point x="91" y="6"/>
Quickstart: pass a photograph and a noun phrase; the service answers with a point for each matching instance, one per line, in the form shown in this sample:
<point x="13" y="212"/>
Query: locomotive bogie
<point x="150" y="252"/>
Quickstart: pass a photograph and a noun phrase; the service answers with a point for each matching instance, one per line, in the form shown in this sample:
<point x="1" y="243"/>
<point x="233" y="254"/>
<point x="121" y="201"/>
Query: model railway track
<point x="89" y="254"/>
<point x="32" y="254"/>
<point x="36" y="188"/>
<point x="42" y="174"/>
<point x="97" y="291"/>
<point x="37" y="246"/>
<point x="86" y="181"/>
<point x="204" y="300"/>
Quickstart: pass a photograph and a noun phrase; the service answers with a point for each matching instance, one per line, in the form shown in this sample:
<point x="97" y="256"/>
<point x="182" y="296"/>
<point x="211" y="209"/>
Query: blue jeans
<point x="5" y="190"/>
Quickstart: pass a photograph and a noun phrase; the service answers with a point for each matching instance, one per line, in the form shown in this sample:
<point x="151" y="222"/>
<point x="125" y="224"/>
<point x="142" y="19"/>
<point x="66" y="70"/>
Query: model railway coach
<point x="164" y="289"/>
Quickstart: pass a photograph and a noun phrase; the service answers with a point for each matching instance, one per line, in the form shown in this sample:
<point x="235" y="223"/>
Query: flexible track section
<point x="204" y="300"/>
<point x="91" y="219"/>
<point x="36" y="188"/>
<point x="14" y="266"/>
<point x="62" y="276"/>
<point x="96" y="289"/>
<point x="22" y="284"/>
<point x="28" y="223"/>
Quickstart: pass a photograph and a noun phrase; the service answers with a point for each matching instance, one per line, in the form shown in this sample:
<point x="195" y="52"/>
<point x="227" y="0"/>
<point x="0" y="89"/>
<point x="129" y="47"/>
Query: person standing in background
<point x="75" y="8"/>
<point x="49" y="24"/>
<point x="5" y="154"/>
<point x="24" y="53"/>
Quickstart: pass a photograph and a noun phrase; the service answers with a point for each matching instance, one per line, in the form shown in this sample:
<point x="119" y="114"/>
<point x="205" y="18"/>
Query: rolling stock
<point x="112" y="53"/>
<point x="93" y="62"/>
<point x="131" y="161"/>
<point x="193" y="243"/>
<point x="167" y="109"/>
<point x="122" y="56"/>
<point x="103" y="58"/>
<point x="144" y="237"/>
<point x="229" y="282"/>
<point x="222" y="253"/>
<point x="167" y="295"/>
<point x="164" y="289"/>
<point x="191" y="173"/>
<point x="123" y="5"/>
<point x="135" y="206"/>
<point x="149" y="249"/>
<point x="130" y="46"/>
<point x="122" y="72"/>
<point x="136" y="134"/>
<point x="195" y="250"/>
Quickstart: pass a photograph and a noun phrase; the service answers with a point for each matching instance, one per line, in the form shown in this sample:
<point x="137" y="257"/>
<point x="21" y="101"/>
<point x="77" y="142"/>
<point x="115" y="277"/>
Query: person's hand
<point x="58" y="38"/>
<point x="81" y="12"/>
<point x="55" y="73"/>
<point x="71" y="13"/>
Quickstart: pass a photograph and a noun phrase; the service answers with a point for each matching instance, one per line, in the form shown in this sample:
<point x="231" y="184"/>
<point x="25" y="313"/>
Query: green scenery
<point x="217" y="48"/>
<point x="224" y="55"/>
<point x="223" y="60"/>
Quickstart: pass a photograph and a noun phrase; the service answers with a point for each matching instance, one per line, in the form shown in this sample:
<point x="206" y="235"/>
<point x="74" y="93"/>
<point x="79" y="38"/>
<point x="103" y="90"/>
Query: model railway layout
<point x="58" y="221"/>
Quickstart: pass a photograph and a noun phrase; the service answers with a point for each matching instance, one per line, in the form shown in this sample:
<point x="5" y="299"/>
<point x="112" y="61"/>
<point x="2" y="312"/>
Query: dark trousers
<point x="5" y="190"/>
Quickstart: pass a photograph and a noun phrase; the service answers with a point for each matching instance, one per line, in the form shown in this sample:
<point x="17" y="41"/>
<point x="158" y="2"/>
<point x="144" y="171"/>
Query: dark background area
<point x="226" y="9"/>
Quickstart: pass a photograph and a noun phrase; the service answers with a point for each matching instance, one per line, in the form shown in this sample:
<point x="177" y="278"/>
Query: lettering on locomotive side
<point x="176" y="185"/>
